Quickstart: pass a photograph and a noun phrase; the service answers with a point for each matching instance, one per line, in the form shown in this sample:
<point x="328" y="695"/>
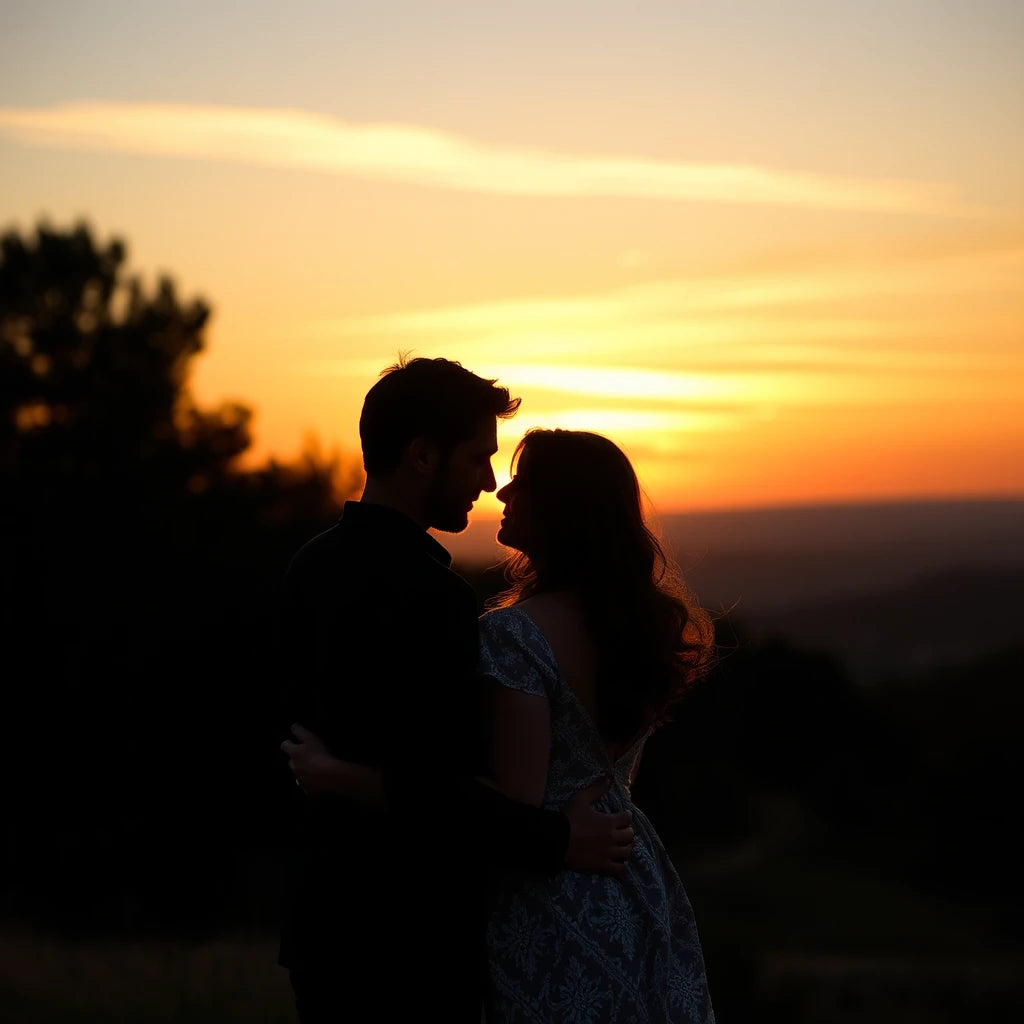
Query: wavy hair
<point x="585" y="506"/>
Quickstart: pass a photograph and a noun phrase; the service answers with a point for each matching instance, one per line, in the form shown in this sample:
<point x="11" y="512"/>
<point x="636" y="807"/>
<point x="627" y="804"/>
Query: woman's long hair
<point x="589" y="536"/>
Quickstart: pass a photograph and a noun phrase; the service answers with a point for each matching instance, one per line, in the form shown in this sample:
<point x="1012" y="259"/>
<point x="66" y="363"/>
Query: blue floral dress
<point x="586" y="948"/>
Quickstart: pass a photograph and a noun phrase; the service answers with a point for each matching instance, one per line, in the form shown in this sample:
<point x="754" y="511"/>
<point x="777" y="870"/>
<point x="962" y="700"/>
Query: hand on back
<point x="599" y="843"/>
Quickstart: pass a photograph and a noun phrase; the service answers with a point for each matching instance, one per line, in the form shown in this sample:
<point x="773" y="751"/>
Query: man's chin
<point x="451" y="524"/>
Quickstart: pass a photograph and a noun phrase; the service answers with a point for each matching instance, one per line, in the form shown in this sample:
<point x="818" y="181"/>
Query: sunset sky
<point x="775" y="249"/>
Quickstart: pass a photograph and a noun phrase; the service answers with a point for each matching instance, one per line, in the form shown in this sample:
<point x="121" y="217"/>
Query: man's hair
<point x="434" y="398"/>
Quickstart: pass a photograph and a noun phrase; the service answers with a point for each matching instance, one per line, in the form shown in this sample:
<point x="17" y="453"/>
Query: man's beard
<point x="445" y="512"/>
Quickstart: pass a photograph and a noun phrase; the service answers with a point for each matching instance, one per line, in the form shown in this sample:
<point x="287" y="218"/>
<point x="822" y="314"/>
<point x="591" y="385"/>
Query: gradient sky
<point x="776" y="250"/>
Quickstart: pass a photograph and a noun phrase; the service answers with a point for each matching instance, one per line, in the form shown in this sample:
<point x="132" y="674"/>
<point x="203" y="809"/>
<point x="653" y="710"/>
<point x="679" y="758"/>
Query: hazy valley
<point x="892" y="589"/>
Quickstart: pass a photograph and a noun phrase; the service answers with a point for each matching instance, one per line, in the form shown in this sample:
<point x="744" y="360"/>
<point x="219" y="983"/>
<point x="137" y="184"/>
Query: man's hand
<point x="310" y="760"/>
<point x="599" y="843"/>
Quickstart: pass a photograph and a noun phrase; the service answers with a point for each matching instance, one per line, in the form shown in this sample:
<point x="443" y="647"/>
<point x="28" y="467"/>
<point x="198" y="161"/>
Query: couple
<point x="467" y="834"/>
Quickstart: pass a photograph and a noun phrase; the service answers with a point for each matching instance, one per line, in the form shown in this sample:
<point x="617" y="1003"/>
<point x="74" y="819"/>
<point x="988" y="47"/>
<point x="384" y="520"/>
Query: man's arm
<point x="596" y="843"/>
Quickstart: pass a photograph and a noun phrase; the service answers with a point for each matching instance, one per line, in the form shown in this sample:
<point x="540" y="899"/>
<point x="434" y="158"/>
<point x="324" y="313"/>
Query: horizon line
<point x="811" y="505"/>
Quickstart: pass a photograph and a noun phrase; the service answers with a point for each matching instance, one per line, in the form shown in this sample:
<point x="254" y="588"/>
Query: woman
<point x="585" y="652"/>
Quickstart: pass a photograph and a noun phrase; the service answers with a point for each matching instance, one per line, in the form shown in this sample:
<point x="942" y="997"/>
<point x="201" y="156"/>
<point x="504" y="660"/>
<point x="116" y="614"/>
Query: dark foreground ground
<point x="790" y="935"/>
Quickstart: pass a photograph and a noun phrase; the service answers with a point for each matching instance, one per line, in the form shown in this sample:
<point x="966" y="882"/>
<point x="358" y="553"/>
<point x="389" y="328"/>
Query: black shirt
<point x="379" y="641"/>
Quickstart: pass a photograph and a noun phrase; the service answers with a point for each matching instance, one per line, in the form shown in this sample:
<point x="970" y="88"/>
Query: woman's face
<point x="516" y="529"/>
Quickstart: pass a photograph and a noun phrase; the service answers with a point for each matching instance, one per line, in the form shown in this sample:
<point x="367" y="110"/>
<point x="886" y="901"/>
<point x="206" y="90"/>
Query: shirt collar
<point x="387" y="518"/>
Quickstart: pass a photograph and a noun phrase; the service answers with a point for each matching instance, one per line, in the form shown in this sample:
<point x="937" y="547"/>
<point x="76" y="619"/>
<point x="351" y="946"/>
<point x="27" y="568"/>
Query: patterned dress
<point x="586" y="948"/>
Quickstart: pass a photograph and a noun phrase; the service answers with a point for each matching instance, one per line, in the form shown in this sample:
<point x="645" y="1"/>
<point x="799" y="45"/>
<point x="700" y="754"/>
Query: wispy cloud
<point x="871" y="314"/>
<point x="659" y="363"/>
<point x="425" y="156"/>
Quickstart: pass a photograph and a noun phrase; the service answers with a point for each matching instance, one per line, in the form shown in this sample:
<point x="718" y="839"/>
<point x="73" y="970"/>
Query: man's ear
<point x="422" y="456"/>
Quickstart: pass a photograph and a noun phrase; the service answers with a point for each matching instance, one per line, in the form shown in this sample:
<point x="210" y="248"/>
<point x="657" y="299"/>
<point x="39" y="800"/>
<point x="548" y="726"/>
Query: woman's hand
<point x="317" y="771"/>
<point x="311" y="762"/>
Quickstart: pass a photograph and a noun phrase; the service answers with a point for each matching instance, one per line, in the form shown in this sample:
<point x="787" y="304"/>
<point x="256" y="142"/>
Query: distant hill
<point x="892" y="588"/>
<point x="776" y="558"/>
<point x="941" y="620"/>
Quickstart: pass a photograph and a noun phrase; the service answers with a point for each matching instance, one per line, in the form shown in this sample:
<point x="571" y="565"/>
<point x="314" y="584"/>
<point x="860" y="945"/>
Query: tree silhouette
<point x="140" y="572"/>
<point x="93" y="370"/>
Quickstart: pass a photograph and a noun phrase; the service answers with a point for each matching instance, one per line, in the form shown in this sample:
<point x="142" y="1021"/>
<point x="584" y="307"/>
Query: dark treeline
<point x="144" y="787"/>
<point x="139" y="574"/>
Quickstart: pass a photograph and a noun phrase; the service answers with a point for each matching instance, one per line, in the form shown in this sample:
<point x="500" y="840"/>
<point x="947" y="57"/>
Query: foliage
<point x="141" y="564"/>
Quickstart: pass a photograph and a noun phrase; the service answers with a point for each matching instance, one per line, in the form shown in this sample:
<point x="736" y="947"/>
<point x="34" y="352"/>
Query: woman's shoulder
<point x="494" y="617"/>
<point x="513" y="627"/>
<point x="520" y="619"/>
<point x="503" y="624"/>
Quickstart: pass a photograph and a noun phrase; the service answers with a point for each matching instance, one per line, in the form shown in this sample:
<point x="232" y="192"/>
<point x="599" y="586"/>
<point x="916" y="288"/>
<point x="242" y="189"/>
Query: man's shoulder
<point x="347" y="538"/>
<point x="349" y="553"/>
<point x="447" y="585"/>
<point x="325" y="546"/>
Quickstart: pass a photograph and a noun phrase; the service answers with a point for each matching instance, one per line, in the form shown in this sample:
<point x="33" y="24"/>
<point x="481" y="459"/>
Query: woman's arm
<point x="318" y="771"/>
<point x="521" y="741"/>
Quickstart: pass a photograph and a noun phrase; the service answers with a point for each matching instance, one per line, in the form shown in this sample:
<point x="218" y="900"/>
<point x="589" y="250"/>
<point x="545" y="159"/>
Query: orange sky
<point x="778" y="257"/>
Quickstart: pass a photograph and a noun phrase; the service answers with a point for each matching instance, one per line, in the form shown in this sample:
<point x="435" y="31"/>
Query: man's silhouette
<point x="388" y="902"/>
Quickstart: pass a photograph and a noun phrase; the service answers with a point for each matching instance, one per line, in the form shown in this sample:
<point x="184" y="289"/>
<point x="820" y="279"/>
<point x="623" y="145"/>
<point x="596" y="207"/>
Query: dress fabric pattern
<point x="586" y="948"/>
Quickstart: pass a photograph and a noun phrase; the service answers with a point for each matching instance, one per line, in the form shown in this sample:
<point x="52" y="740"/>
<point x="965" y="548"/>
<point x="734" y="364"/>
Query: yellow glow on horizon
<point x="934" y="276"/>
<point x="807" y="380"/>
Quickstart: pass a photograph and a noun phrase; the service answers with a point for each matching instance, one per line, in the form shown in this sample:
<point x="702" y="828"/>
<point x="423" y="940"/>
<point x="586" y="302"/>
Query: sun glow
<point x="764" y="291"/>
<point x="711" y="378"/>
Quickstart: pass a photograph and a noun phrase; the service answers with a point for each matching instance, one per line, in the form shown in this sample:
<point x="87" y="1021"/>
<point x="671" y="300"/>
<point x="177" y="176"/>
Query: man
<point x="389" y="899"/>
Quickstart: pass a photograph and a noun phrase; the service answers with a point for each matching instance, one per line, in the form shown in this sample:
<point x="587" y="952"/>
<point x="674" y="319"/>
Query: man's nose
<point x="488" y="483"/>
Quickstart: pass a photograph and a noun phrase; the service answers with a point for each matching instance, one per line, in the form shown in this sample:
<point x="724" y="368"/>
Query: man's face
<point x="459" y="481"/>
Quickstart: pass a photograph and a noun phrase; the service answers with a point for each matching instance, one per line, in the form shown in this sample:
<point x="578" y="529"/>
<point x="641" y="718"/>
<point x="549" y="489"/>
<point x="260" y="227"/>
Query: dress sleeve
<point x="511" y="654"/>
